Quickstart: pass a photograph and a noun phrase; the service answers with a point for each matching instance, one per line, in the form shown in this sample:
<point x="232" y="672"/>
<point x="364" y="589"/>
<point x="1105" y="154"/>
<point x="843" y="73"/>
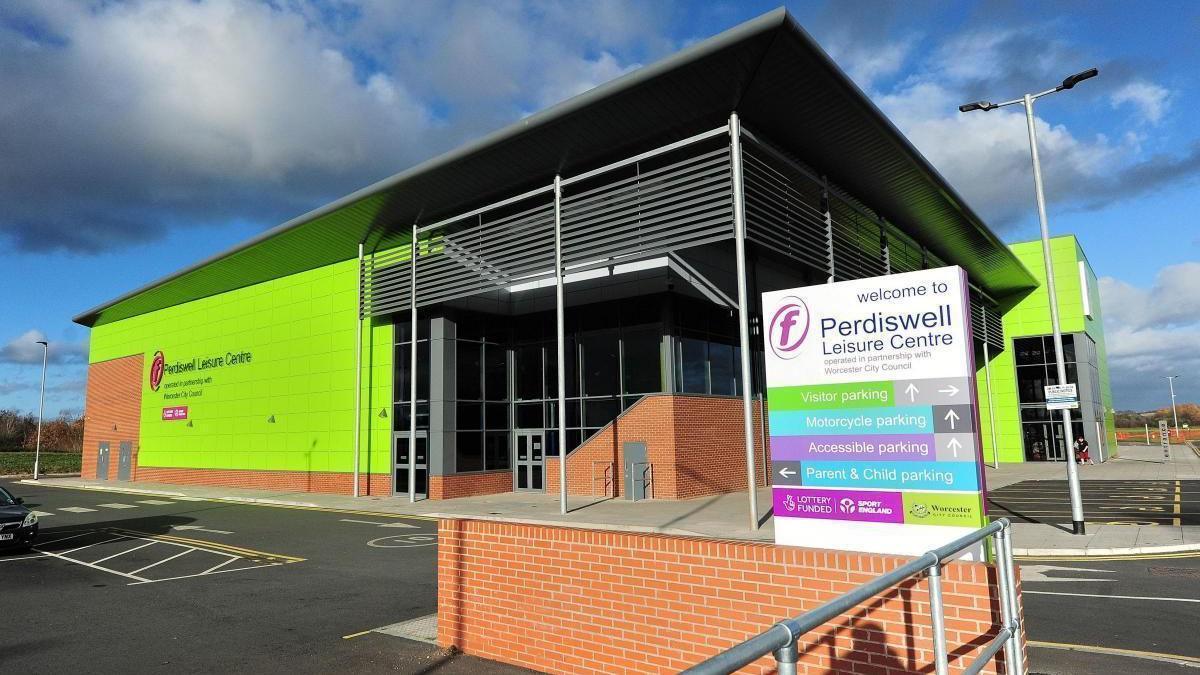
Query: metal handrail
<point x="609" y="476"/>
<point x="780" y="639"/>
<point x="647" y="483"/>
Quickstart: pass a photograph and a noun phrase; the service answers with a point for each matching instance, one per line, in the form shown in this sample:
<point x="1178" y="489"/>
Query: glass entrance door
<point x="400" y="474"/>
<point x="530" y="465"/>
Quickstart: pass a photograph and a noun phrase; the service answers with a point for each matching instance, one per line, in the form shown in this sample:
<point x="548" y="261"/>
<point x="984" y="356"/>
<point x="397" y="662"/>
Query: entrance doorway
<point x="421" y="472"/>
<point x="530" y="465"/>
<point x="1044" y="441"/>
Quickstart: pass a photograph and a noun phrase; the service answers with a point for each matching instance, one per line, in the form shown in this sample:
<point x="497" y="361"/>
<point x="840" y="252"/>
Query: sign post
<point x="872" y="413"/>
<point x="1165" y="435"/>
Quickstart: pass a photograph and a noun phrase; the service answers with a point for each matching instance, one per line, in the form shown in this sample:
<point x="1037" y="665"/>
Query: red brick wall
<point x="583" y="601"/>
<point x="695" y="444"/>
<point x="290" y="481"/>
<point x="470" y="484"/>
<point x="112" y="412"/>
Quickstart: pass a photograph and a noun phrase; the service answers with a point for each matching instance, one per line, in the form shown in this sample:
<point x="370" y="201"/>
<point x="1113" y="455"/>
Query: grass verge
<point x="18" y="463"/>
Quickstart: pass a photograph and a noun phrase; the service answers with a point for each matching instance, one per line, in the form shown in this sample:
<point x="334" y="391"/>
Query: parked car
<point x="18" y="525"/>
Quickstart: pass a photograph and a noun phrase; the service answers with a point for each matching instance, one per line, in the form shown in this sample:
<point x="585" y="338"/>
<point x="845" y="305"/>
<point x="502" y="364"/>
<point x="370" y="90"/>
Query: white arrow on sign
<point x="786" y="472"/>
<point x="952" y="417"/>
<point x="950" y="389"/>
<point x="199" y="529"/>
<point x="954" y="445"/>
<point x="1038" y="573"/>
<point x="912" y="392"/>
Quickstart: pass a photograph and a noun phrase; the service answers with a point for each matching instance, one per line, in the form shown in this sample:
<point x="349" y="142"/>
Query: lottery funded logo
<point x="789" y="327"/>
<point x="157" y="368"/>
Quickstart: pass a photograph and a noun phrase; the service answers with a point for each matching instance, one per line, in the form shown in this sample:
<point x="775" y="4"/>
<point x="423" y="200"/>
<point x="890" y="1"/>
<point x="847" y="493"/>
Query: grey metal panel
<point x="102" y="461"/>
<point x="125" y="461"/>
<point x="635" y="464"/>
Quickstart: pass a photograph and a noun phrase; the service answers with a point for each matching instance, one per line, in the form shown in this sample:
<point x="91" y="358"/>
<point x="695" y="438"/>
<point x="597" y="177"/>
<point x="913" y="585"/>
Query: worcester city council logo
<point x="157" y="366"/>
<point x="918" y="511"/>
<point x="788" y="327"/>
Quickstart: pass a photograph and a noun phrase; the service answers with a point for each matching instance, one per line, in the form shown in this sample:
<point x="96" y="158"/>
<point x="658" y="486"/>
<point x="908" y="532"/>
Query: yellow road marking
<point x="1178" y="503"/>
<point x="354" y="635"/>
<point x="1110" y="558"/>
<point x="1158" y="656"/>
<point x="214" y="546"/>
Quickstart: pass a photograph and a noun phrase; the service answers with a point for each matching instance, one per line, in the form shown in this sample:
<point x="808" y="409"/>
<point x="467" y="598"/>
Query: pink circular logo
<point x="157" y="366"/>
<point x="788" y="327"/>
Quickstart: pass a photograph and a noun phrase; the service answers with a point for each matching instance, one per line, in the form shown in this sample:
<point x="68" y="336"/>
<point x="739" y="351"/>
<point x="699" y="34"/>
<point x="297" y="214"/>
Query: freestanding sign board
<point x="1164" y="435"/>
<point x="871" y="403"/>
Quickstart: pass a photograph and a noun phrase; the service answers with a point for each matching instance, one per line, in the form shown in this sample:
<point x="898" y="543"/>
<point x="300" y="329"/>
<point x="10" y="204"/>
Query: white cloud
<point x="1150" y="100"/>
<point x="24" y="349"/>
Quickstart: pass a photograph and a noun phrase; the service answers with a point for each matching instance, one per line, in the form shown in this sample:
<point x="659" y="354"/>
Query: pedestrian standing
<point x="1083" y="453"/>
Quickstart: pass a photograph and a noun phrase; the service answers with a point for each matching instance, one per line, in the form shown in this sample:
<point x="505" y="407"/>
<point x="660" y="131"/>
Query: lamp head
<point x="977" y="105"/>
<point x="1075" y="79"/>
<point x="42" y="343"/>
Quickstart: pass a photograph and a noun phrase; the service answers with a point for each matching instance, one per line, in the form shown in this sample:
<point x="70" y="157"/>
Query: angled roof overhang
<point x="782" y="84"/>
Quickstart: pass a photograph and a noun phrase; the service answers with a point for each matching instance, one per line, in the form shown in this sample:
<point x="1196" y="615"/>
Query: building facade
<point x="631" y="228"/>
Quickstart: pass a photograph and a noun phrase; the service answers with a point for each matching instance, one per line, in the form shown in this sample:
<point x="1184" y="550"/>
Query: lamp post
<point x="1175" y="415"/>
<point x="1027" y="101"/>
<point x="37" y="452"/>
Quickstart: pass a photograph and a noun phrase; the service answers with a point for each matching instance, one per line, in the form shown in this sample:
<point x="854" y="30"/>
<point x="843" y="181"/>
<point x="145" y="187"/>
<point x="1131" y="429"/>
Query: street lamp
<point x="1027" y="101"/>
<point x="1171" y="382"/>
<point x="37" y="452"/>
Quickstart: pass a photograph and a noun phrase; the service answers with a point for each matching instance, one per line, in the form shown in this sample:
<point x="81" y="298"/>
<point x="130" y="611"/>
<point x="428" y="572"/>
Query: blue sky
<point x="140" y="137"/>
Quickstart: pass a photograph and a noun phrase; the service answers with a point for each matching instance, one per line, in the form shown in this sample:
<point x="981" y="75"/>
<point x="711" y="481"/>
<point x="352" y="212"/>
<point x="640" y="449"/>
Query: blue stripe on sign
<point x="904" y="420"/>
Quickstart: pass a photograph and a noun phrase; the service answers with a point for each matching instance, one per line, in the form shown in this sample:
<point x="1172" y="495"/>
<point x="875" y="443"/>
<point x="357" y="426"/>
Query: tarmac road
<point x="138" y="583"/>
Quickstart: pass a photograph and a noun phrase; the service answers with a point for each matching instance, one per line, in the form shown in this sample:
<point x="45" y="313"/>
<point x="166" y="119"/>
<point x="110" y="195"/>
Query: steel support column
<point x="412" y="385"/>
<point x="560" y="341"/>
<point x="739" y="239"/>
<point x="358" y="371"/>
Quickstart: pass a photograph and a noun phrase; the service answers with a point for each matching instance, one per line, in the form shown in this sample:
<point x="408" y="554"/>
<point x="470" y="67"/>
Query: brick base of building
<point x="470" y="484"/>
<point x="645" y="603"/>
<point x="292" y="481"/>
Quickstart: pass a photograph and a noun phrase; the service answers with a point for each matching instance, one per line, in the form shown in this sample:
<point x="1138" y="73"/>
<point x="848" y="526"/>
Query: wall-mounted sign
<point x="871" y="403"/>
<point x="1061" y="397"/>
<point x="175" y="412"/>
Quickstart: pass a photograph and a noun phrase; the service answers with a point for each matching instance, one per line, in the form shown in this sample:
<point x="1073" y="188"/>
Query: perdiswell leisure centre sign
<point x="871" y="402"/>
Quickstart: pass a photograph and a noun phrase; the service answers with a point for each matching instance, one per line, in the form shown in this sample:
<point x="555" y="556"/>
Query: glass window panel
<point x="468" y="451"/>
<point x="423" y="366"/>
<point x="468" y="370"/>
<point x="468" y="327"/>
<point x="599" y="412"/>
<point x="1069" y="348"/>
<point x="496" y="454"/>
<point x="1031" y="381"/>
<point x="496" y="372"/>
<point x="529" y="372"/>
<point x="574" y="438"/>
<point x="496" y="416"/>
<point x="601" y="364"/>
<point x="692" y="374"/>
<point x="551" y="368"/>
<point x="641" y="311"/>
<point x="598" y="317"/>
<point x="529" y="415"/>
<point x="642" y="351"/>
<point x="1050" y="354"/>
<point x="720" y="363"/>
<point x="400" y="416"/>
<point x="1028" y="351"/>
<point x="400" y="378"/>
<point x="469" y="416"/>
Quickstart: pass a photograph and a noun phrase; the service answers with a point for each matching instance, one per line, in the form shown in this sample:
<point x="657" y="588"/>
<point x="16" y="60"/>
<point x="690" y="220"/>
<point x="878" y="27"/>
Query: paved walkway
<point x="726" y="516"/>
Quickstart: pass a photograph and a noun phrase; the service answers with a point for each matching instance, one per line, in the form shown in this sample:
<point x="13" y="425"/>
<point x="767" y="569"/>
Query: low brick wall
<point x="293" y="481"/>
<point x="565" y="600"/>
<point x="470" y="484"/>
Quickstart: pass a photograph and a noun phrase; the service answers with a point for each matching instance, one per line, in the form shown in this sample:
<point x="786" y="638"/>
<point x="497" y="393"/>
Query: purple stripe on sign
<point x="858" y="448"/>
<point x="857" y="505"/>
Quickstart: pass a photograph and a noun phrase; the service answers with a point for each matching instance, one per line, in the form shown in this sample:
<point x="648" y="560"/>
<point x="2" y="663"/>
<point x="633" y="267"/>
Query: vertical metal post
<point x="358" y="370"/>
<point x="786" y="659"/>
<point x="739" y="239"/>
<point x="1100" y="438"/>
<point x="1072" y="470"/>
<point x="762" y="433"/>
<point x="1007" y="610"/>
<point x="37" y="450"/>
<point x="1015" y="662"/>
<point x="560" y="341"/>
<point x="1175" y="415"/>
<point x="1147" y="434"/>
<point x="937" y="617"/>
<point x="987" y="376"/>
<point x="412" y="369"/>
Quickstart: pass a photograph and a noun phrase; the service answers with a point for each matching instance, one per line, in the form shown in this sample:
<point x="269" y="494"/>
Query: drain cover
<point x="1175" y="572"/>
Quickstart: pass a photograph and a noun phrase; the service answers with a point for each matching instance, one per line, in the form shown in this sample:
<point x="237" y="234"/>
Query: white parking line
<point x="155" y="502"/>
<point x="143" y="569"/>
<point x="378" y="524"/>
<point x="97" y="543"/>
<point x="97" y="562"/>
<point x="81" y="534"/>
<point x="91" y="565"/>
<point x="76" y="509"/>
<point x="117" y="506"/>
<point x="24" y="557"/>
<point x="189" y="499"/>
<point x="202" y="574"/>
<point x="1111" y="597"/>
<point x="218" y="566"/>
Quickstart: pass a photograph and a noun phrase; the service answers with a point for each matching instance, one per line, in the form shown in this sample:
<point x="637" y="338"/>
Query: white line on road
<point x="189" y="499"/>
<point x="81" y="534"/>
<point x="1112" y="597"/>
<point x="91" y="565"/>
<point x="106" y="541"/>
<point x="76" y="509"/>
<point x="218" y="566"/>
<point x="24" y="557"/>
<point x="143" y="569"/>
<point x="371" y="522"/>
<point x="117" y="506"/>
<point x="154" y="502"/>
<point x="42" y="514"/>
<point x="189" y="576"/>
<point x="199" y="529"/>
<point x="131" y="550"/>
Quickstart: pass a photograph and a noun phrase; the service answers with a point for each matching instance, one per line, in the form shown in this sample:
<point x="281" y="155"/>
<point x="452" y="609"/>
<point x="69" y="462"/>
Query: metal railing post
<point x="937" y="619"/>
<point x="786" y="658"/>
<point x="1014" y="661"/>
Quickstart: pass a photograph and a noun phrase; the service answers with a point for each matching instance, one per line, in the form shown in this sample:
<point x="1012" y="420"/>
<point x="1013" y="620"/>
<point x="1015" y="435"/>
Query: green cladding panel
<point x="267" y="375"/>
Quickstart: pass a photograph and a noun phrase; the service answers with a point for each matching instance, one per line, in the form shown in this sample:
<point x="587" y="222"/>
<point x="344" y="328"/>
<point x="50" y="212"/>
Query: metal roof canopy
<point x="768" y="69"/>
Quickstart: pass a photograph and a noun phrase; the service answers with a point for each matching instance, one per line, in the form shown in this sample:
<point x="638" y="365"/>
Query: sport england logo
<point x="157" y="366"/>
<point x="847" y="505"/>
<point x="788" y="327"/>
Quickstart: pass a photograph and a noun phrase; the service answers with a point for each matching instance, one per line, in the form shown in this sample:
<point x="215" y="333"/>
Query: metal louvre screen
<point x="666" y="202"/>
<point x="857" y="247"/>
<point x="991" y="329"/>
<point x="783" y="208"/>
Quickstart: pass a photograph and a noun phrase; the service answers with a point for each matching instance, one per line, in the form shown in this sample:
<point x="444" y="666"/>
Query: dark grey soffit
<point x="768" y="69"/>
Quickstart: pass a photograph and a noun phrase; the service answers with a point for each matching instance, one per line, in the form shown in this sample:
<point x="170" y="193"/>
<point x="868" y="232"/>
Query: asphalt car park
<point x="1115" y="502"/>
<point x="137" y="583"/>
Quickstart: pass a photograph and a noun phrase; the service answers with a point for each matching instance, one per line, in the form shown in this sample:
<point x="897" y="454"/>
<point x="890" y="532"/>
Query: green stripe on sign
<point x="831" y="396"/>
